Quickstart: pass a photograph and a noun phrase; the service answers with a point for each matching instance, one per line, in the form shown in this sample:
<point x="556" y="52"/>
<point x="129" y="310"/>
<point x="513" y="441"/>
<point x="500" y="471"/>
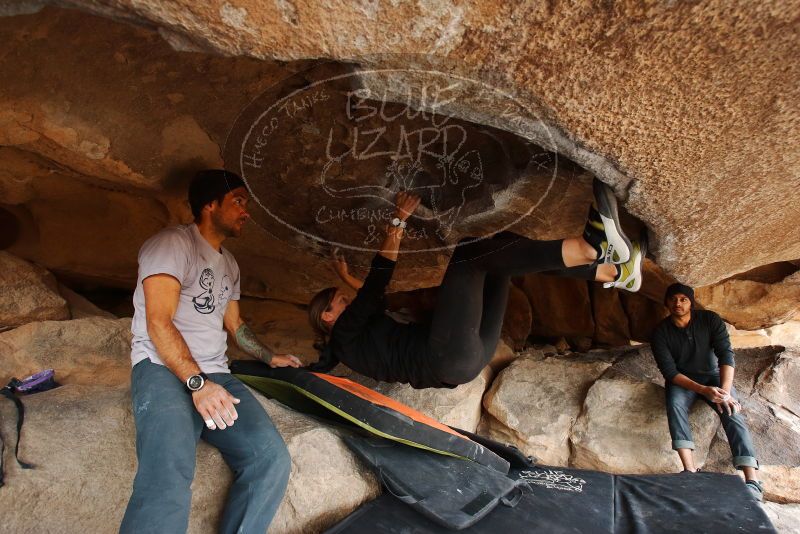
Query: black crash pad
<point x="560" y="500"/>
<point x="453" y="492"/>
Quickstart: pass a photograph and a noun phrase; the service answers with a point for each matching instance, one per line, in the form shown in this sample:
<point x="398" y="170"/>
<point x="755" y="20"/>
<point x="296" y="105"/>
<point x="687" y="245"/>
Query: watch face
<point x="195" y="382"/>
<point x="396" y="221"/>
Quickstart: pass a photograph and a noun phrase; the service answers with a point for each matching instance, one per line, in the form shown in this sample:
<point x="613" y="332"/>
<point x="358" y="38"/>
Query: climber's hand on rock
<point x="406" y="204"/>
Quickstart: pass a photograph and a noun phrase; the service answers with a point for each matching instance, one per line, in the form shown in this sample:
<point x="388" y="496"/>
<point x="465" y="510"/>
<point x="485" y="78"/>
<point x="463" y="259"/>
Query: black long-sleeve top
<point x="698" y="349"/>
<point x="371" y="343"/>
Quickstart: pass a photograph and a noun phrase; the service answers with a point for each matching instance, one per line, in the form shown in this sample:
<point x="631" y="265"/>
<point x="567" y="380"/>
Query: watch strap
<point x="201" y="375"/>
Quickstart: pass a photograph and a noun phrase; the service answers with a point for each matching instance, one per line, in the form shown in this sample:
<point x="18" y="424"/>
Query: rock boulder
<point x="779" y="383"/>
<point x="81" y="439"/>
<point x="785" y="517"/>
<point x="750" y="305"/>
<point x="93" y="350"/>
<point x="533" y="405"/>
<point x="623" y="429"/>
<point x="29" y="293"/>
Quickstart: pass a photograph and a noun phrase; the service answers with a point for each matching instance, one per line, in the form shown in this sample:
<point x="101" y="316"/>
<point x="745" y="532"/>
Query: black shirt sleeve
<point x="720" y="340"/>
<point x="369" y="299"/>
<point x="664" y="359"/>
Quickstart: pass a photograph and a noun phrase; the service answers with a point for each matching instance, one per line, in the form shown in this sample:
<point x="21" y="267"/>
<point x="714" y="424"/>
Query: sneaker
<point x="756" y="489"/>
<point x="629" y="274"/>
<point x="603" y="230"/>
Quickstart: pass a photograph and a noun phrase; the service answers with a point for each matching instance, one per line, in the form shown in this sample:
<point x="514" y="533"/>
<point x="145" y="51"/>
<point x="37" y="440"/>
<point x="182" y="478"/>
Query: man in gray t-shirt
<point x="186" y="298"/>
<point x="209" y="280"/>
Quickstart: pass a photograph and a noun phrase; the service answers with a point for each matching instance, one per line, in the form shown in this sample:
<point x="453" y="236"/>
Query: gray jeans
<point x="167" y="431"/>
<point x="680" y="400"/>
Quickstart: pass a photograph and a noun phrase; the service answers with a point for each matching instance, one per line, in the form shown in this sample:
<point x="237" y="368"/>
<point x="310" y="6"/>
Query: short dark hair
<point x="209" y="185"/>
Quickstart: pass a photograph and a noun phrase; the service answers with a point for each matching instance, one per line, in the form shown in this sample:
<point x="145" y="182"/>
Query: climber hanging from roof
<point x="468" y="317"/>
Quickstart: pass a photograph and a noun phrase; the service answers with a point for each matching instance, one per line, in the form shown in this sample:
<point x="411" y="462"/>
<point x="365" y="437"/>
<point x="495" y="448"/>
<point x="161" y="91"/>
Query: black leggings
<point x="471" y="305"/>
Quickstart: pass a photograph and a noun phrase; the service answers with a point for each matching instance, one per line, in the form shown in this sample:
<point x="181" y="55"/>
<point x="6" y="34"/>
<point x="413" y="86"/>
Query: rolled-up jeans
<point x="168" y="428"/>
<point x="679" y="402"/>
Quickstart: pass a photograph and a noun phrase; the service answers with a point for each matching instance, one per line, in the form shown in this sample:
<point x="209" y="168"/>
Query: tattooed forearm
<point x="249" y="343"/>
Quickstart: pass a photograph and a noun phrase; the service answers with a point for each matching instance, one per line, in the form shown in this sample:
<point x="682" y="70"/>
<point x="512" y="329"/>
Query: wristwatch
<point x="196" y="382"/>
<point x="397" y="221"/>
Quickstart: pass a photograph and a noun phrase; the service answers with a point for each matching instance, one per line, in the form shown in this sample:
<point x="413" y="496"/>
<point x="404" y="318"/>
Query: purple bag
<point x="41" y="381"/>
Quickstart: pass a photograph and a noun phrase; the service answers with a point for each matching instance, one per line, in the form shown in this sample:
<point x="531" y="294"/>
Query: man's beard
<point x="228" y="230"/>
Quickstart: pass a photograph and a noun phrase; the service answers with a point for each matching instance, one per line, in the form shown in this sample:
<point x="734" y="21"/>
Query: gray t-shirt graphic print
<point x="209" y="280"/>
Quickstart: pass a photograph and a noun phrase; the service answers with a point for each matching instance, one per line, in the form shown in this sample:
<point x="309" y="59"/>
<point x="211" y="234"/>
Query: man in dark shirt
<point x="693" y="352"/>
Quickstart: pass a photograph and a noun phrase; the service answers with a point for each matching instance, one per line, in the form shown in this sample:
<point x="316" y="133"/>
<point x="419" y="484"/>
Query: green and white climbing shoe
<point x="629" y="275"/>
<point x="603" y="230"/>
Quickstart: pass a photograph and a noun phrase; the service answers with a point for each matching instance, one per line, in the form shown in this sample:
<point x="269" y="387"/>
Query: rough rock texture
<point x="29" y="293"/>
<point x="78" y="148"/>
<point x="781" y="483"/>
<point x="775" y="423"/>
<point x="786" y="334"/>
<point x="72" y="151"/>
<point x="778" y="385"/>
<point x="774" y="428"/>
<point x="637" y="363"/>
<point x="785" y="517"/>
<point x="534" y="402"/>
<point x="561" y="306"/>
<point x="503" y="356"/>
<point x="83" y="150"/>
<point x="752" y="365"/>
<point x="76" y="430"/>
<point x="623" y="429"/>
<point x="748" y="338"/>
<point x="518" y="318"/>
<point x="750" y="305"/>
<point x="94" y="350"/>
<point x="668" y="151"/>
<point x="719" y="104"/>
<point x="610" y="321"/>
<point x="643" y="315"/>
